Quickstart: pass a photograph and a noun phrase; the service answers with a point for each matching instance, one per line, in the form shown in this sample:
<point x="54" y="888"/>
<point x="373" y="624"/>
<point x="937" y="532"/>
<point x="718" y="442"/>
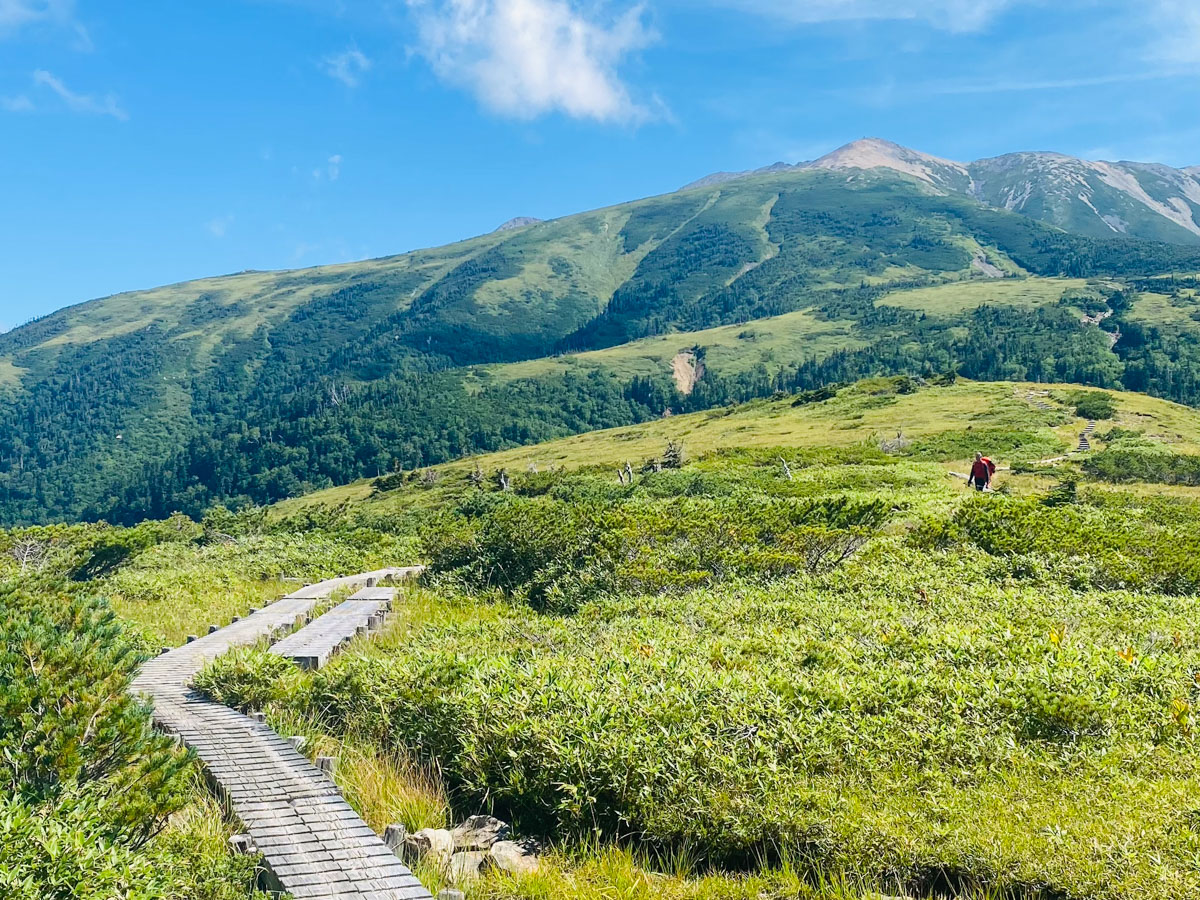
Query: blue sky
<point x="143" y="143"/>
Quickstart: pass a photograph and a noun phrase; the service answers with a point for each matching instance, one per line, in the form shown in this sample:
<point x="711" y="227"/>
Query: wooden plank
<point x="313" y="644"/>
<point x="313" y="842"/>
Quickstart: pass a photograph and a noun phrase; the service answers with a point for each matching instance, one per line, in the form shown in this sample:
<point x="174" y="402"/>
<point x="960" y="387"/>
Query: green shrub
<point x="1064" y="493"/>
<point x="247" y="679"/>
<point x="1127" y="464"/>
<point x="557" y="555"/>
<point x="1103" y="548"/>
<point x="67" y="722"/>
<point x="61" y="852"/>
<point x="1117" y="433"/>
<point x="817" y="395"/>
<point x="1092" y="404"/>
<point x="86" y="784"/>
<point x="998" y="442"/>
<point x="53" y="855"/>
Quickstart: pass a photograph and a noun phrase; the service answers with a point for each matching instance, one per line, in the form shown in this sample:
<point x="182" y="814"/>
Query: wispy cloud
<point x="525" y="58"/>
<point x="1179" y="23"/>
<point x="18" y="103"/>
<point x="348" y="67"/>
<point x="16" y="15"/>
<point x="951" y="15"/>
<point x="219" y="226"/>
<point x="335" y="167"/>
<point x="81" y="103"/>
<point x="1000" y="85"/>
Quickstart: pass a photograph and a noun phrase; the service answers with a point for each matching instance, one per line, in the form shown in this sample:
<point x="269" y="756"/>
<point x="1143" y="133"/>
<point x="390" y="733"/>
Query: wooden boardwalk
<point x="314" y="844"/>
<point x="312" y="645"/>
<point x="1085" y="438"/>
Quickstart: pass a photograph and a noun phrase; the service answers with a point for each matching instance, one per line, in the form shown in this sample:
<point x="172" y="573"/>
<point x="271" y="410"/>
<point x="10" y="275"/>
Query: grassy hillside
<point x="728" y="349"/>
<point x="962" y="297"/>
<point x="776" y="341"/>
<point x="795" y="657"/>
<point x="258" y="386"/>
<point x="966" y="415"/>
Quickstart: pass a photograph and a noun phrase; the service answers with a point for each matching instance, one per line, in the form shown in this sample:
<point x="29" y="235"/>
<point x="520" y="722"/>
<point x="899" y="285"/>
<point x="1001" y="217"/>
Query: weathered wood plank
<point x="312" y="645"/>
<point x="314" y="844"/>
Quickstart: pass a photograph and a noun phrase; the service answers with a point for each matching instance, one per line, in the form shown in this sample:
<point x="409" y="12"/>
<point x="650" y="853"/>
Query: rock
<point x="513" y="858"/>
<point x="434" y="843"/>
<point x="479" y="833"/>
<point x="465" y="867"/>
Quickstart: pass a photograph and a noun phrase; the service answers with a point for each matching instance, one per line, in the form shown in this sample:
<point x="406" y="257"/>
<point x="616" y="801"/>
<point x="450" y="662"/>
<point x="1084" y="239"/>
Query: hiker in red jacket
<point x="981" y="472"/>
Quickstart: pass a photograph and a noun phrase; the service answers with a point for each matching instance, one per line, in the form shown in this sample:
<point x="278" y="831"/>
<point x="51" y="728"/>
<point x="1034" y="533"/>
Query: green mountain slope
<point x="258" y="386"/>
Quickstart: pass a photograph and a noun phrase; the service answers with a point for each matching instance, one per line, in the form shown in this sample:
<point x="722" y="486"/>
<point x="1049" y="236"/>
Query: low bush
<point x="1091" y="547"/>
<point x="1092" y="404"/>
<point x="1003" y="443"/>
<point x="557" y="555"/>
<point x="1125" y="464"/>
<point x="88" y="788"/>
<point x="248" y="680"/>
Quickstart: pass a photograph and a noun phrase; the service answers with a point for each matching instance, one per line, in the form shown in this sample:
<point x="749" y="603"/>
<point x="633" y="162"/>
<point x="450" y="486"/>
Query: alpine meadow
<point x="828" y="530"/>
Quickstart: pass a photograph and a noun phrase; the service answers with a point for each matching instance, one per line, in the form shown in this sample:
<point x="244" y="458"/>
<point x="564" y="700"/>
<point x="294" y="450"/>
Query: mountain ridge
<point x="1095" y="197"/>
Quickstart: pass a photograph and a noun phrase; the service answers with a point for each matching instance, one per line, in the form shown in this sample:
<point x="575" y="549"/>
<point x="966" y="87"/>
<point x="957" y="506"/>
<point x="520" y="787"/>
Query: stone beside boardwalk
<point x="313" y="843"/>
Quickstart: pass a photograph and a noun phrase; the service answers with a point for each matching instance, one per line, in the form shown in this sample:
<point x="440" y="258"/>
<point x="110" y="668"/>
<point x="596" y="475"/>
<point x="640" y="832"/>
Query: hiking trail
<point x="313" y="843"/>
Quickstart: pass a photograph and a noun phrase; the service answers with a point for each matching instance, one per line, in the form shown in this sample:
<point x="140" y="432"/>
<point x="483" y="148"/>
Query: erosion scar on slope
<point x="687" y="370"/>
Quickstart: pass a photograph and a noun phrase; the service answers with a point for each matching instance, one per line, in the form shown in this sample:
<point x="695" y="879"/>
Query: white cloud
<point x="524" y="58"/>
<point x="951" y="15"/>
<point x="335" y="166"/>
<point x="81" y="103"/>
<point x="219" y="226"/>
<point x="19" y="103"/>
<point x="348" y="67"/>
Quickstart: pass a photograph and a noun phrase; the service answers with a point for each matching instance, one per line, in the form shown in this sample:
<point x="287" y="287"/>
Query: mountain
<point x="518" y="222"/>
<point x="252" y="387"/>
<point x="1101" y="199"/>
<point x="872" y="153"/>
<point x="1097" y="198"/>
<point x="722" y="177"/>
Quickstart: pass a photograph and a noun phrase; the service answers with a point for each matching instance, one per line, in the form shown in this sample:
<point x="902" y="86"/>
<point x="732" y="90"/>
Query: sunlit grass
<point x="850" y="419"/>
<point x="174" y="589"/>
<point x="609" y="873"/>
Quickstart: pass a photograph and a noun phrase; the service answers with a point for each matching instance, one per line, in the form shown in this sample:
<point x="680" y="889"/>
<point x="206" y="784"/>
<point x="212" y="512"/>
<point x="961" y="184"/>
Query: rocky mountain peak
<point x="518" y="222"/>
<point x="876" y="153"/>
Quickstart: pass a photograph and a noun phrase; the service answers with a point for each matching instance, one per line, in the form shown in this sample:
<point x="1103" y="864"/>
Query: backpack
<point x="991" y="466"/>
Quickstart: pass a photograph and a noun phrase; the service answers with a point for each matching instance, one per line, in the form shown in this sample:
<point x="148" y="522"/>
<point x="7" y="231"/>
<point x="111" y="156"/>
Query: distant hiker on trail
<point x="981" y="472"/>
